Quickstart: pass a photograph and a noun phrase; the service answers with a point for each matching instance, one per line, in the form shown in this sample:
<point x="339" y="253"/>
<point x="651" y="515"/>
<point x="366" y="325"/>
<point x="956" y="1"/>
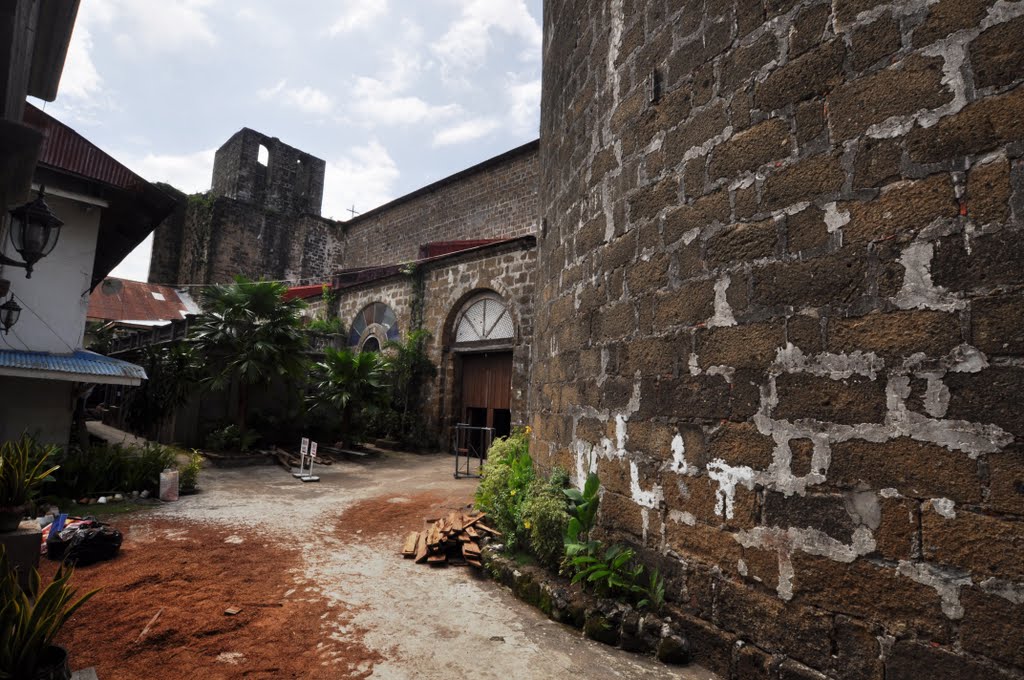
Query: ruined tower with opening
<point x="260" y="219"/>
<point x="788" y="234"/>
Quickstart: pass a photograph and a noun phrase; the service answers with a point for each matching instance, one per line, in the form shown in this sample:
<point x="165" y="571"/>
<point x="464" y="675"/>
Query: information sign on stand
<point x="309" y="476"/>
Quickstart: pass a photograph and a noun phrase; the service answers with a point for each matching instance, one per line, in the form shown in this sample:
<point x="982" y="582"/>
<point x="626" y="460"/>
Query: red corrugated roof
<point x="305" y="292"/>
<point x="65" y="149"/>
<point x="122" y="300"/>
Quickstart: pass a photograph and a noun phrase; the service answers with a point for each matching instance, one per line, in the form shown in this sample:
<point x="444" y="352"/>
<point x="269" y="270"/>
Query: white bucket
<point x="169" y="485"/>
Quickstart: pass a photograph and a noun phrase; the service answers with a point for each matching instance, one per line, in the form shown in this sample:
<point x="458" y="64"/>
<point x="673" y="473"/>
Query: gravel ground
<point x="336" y="578"/>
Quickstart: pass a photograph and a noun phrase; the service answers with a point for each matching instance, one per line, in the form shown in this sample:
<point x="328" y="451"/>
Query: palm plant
<point x="174" y="371"/>
<point x="346" y="379"/>
<point x="28" y="627"/>
<point x="248" y="334"/>
<point x="22" y="470"/>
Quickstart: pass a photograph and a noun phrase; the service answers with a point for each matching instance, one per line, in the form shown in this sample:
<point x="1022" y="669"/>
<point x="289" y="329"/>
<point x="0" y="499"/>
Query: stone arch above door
<point x="484" y="320"/>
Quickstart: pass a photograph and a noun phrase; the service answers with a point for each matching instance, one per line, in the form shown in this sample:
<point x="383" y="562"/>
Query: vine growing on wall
<point x="419" y="294"/>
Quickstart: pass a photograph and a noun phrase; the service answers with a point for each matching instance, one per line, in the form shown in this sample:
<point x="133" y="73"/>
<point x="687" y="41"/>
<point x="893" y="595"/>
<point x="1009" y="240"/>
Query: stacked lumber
<point x="453" y="539"/>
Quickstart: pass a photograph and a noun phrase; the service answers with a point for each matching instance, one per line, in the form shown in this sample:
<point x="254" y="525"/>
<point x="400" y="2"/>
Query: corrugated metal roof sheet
<point x="78" y="366"/>
<point x="123" y="300"/>
<point x="65" y="149"/>
<point x="305" y="292"/>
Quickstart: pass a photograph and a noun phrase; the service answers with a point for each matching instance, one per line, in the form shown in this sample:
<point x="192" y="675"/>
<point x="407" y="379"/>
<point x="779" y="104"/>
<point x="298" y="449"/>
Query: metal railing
<point x="471" y="445"/>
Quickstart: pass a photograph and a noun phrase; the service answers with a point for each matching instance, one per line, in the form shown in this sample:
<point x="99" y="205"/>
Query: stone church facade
<point x="455" y="253"/>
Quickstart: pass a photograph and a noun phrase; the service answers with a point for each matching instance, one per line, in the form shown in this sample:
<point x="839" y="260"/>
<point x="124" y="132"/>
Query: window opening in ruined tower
<point x="484" y="335"/>
<point x="263" y="155"/>
<point x="375" y="322"/>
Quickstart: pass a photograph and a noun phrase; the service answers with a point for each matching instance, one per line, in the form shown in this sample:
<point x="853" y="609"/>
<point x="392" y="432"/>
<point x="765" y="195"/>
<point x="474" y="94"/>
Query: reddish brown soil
<point x="193" y="575"/>
<point x="383" y="516"/>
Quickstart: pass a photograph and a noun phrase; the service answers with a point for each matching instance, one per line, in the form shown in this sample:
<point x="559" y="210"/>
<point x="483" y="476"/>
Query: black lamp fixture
<point x="9" y="313"/>
<point x="34" y="232"/>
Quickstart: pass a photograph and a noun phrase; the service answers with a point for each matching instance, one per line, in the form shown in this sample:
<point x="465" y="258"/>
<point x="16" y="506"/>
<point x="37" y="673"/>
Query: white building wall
<point x="55" y="300"/>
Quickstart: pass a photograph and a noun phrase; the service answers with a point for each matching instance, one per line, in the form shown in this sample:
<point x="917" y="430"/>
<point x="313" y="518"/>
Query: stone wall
<point x="506" y="269"/>
<point x="784" y="247"/>
<point x="491" y="200"/>
<point x="221" y="237"/>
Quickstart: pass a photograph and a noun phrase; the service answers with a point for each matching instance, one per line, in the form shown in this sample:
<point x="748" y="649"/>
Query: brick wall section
<point x="496" y="199"/>
<point x="229" y="237"/>
<point x="794" y="285"/>
<point x="506" y="269"/>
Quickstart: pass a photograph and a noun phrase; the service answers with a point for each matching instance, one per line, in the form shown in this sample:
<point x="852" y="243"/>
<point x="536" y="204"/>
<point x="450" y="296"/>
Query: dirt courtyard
<point x="320" y="587"/>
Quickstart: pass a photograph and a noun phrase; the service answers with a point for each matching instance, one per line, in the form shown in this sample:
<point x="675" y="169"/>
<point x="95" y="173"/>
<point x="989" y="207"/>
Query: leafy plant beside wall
<point x="555" y="523"/>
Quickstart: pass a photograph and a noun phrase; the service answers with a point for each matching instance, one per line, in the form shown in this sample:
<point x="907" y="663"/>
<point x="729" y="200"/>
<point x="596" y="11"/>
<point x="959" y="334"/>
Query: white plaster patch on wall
<point x="728" y="477"/>
<point x="705" y="148"/>
<point x="791" y="359"/>
<point x="678" y="463"/>
<point x="810" y="541"/>
<point x="835" y="219"/>
<point x="645" y="520"/>
<point x="1008" y="590"/>
<point x="936" y="397"/>
<point x="682" y="517"/>
<point x="965" y="359"/>
<point x="945" y="507"/>
<point x="918" y="291"/>
<point x="723" y="312"/>
<point x="946" y="584"/>
<point x="648" y="499"/>
<point x="890" y="492"/>
<point x="953" y="52"/>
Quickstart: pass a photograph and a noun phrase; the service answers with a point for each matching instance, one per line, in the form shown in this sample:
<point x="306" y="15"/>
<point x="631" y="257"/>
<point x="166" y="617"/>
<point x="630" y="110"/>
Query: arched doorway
<point x="483" y="338"/>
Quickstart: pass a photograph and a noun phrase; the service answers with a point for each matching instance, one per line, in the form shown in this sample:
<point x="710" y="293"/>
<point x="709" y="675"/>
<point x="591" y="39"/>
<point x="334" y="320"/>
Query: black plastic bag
<point x="84" y="543"/>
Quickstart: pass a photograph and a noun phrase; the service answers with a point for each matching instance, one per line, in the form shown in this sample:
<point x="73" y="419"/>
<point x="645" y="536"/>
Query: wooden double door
<point x="486" y="396"/>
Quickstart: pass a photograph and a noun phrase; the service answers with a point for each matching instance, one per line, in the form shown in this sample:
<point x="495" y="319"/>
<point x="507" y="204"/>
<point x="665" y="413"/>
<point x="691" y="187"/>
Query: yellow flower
<point x="529" y="429"/>
<point x="526" y="524"/>
<point x="512" y="492"/>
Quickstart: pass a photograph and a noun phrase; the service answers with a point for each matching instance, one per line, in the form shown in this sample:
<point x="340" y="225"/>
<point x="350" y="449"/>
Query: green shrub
<point x="24" y="466"/>
<point x="544" y="516"/>
<point x="507" y="478"/>
<point x="230" y="438"/>
<point x="188" y="474"/>
<point x="109" y="468"/>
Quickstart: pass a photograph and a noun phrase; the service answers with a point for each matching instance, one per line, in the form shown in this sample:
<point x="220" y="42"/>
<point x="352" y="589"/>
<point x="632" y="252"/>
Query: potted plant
<point x="28" y="627"/>
<point x="22" y="470"/>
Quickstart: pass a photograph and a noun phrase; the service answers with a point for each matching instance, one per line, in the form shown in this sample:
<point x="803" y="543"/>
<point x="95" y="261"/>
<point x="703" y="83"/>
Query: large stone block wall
<point x="495" y="199"/>
<point x="779" y="310"/>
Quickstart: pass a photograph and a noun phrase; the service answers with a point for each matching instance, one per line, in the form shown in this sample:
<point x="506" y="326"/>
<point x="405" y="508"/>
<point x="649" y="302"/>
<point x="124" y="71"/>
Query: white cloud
<point x="174" y="26"/>
<point x="306" y="99"/>
<point x="465" y="44"/>
<point x="466" y="132"/>
<point x="191" y="172"/>
<point x="365" y="178"/>
<point x="524" y="105"/>
<point x="357" y="14"/>
<point x="80" y="80"/>
<point x="379" y="103"/>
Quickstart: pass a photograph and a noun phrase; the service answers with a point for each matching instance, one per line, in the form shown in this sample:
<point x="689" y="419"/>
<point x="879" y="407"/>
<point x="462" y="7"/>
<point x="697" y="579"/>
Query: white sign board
<point x="305" y="446"/>
<point x="312" y="450"/>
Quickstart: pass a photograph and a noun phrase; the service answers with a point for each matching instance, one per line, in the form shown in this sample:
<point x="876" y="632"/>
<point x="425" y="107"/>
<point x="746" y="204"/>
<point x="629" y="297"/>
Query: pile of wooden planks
<point x="454" y="539"/>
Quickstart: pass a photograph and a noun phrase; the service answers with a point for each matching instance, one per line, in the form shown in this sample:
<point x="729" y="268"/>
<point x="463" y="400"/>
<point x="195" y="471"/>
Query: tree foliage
<point x="248" y="334"/>
<point x="347" y="382"/>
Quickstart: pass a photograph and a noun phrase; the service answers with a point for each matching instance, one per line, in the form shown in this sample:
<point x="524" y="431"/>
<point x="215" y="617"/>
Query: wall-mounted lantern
<point x="34" y="231"/>
<point x="9" y="313"/>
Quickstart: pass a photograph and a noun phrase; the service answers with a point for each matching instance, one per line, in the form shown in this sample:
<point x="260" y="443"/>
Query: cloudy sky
<point x="393" y="94"/>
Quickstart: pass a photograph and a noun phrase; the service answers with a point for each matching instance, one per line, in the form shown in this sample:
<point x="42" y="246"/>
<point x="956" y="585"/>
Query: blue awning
<point x="82" y="366"/>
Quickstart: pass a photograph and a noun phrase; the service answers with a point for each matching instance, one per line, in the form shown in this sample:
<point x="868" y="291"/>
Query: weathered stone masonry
<point x="789" y="234"/>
